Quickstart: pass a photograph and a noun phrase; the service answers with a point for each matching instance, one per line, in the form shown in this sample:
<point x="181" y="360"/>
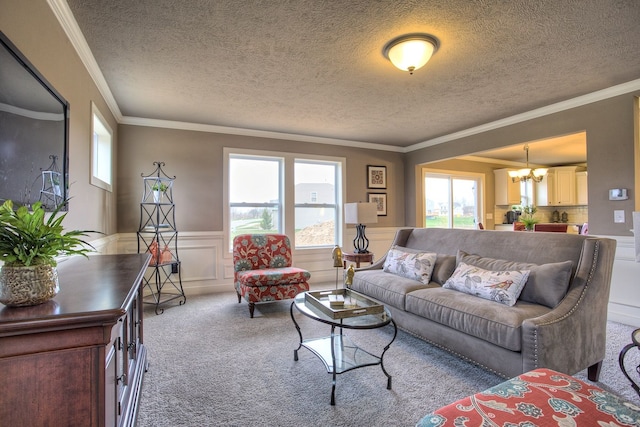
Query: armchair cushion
<point x="273" y="276"/>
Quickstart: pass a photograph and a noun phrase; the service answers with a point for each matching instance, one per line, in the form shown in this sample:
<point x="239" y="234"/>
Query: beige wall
<point x="609" y="125"/>
<point x="196" y="159"/>
<point x="33" y="28"/>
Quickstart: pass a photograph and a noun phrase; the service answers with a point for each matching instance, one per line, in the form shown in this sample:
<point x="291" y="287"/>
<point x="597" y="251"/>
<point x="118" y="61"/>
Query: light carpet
<point x="211" y="365"/>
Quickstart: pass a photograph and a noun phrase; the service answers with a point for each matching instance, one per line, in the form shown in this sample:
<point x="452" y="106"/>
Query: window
<point x="316" y="216"/>
<point x="255" y="204"/>
<point x="284" y="193"/>
<point x="101" y="150"/>
<point x="451" y="201"/>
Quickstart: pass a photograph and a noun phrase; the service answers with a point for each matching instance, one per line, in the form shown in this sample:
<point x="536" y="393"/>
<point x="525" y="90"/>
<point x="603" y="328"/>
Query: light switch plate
<point x="618" y="216"/>
<point x="489" y="216"/>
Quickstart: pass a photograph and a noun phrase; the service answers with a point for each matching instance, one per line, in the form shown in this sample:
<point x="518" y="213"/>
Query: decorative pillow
<point x="410" y="264"/>
<point x="499" y="286"/>
<point x="547" y="283"/>
<point x="445" y="265"/>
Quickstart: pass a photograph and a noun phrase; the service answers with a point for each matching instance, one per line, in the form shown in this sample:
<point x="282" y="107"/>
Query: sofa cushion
<point x="502" y="286"/>
<point x="547" y="283"/>
<point x="412" y="264"/>
<point x="386" y="287"/>
<point x="484" y="319"/>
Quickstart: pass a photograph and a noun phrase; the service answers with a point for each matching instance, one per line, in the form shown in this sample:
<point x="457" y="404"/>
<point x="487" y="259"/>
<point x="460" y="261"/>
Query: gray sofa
<point x="558" y="322"/>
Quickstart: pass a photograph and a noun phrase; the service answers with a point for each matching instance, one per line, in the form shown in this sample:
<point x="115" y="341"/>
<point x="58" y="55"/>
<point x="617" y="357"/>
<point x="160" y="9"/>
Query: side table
<point x="357" y="258"/>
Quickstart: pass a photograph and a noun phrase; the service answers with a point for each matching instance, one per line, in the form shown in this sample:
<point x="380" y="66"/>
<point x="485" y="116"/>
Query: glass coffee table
<point x="337" y="351"/>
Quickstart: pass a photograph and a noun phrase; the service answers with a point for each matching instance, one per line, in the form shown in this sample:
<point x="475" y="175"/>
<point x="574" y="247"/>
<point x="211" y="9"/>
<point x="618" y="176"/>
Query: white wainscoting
<point x="624" y="300"/>
<point x="207" y="267"/>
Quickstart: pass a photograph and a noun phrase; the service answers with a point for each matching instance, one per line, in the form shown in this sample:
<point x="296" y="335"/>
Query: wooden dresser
<point x="77" y="360"/>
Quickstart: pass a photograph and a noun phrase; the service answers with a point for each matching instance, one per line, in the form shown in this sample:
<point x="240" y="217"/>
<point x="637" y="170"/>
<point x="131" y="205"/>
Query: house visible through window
<point x="283" y="193"/>
<point x="101" y="150"/>
<point x="316" y="219"/>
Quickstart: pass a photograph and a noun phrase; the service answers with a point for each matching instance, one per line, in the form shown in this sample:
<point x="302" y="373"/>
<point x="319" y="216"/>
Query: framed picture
<point x="376" y="177"/>
<point x="380" y="199"/>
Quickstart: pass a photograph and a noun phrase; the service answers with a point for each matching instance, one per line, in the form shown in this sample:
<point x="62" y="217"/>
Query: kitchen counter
<point x="571" y="228"/>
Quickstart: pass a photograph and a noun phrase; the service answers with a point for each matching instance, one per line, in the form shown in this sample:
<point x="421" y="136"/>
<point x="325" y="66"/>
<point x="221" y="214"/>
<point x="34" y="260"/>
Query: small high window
<point x="101" y="151"/>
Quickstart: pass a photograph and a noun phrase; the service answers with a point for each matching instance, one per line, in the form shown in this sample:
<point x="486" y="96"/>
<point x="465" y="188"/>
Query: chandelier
<point x="527" y="173"/>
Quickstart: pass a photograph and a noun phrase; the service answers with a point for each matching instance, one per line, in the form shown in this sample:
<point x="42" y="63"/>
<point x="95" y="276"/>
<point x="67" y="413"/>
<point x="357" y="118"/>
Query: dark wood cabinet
<point x="79" y="359"/>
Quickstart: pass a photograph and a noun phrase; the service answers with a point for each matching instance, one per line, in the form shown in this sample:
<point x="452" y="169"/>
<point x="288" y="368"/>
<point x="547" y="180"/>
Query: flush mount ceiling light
<point x="411" y="51"/>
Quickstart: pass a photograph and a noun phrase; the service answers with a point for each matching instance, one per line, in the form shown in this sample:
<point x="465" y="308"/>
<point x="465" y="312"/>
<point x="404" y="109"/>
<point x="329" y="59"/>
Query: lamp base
<point x="360" y="243"/>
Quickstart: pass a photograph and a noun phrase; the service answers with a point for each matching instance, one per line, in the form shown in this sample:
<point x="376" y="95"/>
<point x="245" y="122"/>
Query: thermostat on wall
<point x="618" y="194"/>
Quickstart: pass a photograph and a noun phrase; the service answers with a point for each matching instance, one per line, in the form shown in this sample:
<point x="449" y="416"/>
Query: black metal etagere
<point x="158" y="235"/>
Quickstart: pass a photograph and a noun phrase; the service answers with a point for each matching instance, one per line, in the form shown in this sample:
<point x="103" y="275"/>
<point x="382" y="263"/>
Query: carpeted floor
<point x="211" y="365"/>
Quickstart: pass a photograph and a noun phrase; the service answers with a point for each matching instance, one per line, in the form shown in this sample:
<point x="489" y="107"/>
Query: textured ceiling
<point x="315" y="67"/>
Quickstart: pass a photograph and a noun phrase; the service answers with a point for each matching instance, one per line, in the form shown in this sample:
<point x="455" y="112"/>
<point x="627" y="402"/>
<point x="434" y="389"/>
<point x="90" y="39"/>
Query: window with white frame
<point x="101" y="150"/>
<point x="255" y="194"/>
<point x="316" y="216"/>
<point x="300" y="196"/>
<point x="452" y="200"/>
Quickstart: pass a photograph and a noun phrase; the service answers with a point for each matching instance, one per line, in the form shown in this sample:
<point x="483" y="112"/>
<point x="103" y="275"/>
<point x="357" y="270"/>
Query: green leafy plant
<point x="159" y="186"/>
<point x="527" y="217"/>
<point x="26" y="238"/>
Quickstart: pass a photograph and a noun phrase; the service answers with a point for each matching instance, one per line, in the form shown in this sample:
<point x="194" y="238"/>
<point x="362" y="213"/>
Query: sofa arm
<point x="572" y="336"/>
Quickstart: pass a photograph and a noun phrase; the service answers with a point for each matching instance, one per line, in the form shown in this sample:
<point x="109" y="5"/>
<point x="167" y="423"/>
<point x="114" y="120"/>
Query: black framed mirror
<point x="34" y="134"/>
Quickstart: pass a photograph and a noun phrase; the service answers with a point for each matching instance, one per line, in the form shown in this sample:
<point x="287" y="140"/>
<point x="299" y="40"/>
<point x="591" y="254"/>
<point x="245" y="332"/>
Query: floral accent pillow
<point x="412" y="265"/>
<point x="499" y="286"/>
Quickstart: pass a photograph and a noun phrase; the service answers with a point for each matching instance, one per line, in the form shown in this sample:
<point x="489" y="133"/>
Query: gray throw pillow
<point x="547" y="283"/>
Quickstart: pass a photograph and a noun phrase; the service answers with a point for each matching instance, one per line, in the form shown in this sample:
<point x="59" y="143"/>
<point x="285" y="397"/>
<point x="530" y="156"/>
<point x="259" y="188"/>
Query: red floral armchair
<point x="262" y="269"/>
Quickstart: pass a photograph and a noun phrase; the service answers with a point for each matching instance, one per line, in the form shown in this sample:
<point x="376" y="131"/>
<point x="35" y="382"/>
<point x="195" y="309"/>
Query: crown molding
<point x="68" y="23"/>
<point x="579" y="101"/>
<point x="199" y="127"/>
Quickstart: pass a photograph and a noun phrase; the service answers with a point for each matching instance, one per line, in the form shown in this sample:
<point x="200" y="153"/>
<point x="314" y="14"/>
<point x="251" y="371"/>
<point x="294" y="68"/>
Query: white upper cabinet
<point x="507" y="192"/>
<point x="559" y="187"/>
<point x="582" y="195"/>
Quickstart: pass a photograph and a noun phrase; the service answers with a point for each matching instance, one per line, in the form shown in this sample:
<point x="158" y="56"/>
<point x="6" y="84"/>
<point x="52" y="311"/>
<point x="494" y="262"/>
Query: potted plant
<point x="527" y="217"/>
<point x="29" y="245"/>
<point x="158" y="189"/>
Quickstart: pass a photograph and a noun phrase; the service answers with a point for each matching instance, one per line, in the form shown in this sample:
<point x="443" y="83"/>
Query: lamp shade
<point x="360" y="213"/>
<point x="411" y="52"/>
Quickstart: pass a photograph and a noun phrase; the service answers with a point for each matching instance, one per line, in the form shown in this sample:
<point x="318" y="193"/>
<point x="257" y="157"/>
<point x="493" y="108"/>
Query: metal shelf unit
<point x="158" y="235"/>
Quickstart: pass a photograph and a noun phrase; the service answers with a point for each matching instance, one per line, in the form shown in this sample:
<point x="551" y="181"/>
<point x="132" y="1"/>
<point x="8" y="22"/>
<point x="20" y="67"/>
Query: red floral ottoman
<point x="538" y="398"/>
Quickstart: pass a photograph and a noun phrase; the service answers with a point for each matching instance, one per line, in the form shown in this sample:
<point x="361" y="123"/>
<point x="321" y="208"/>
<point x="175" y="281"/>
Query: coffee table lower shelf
<point x="348" y="355"/>
<point x="338" y="352"/>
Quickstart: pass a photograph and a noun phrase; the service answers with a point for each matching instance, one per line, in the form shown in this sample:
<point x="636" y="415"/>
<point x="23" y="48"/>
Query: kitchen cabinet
<point x="582" y="194"/>
<point x="78" y="359"/>
<point x="507" y="192"/>
<point x="558" y="187"/>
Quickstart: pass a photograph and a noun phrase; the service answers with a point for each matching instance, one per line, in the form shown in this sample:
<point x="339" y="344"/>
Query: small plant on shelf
<point x="159" y="186"/>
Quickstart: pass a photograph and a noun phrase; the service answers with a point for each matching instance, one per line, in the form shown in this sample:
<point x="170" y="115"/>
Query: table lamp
<point x="361" y="214"/>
